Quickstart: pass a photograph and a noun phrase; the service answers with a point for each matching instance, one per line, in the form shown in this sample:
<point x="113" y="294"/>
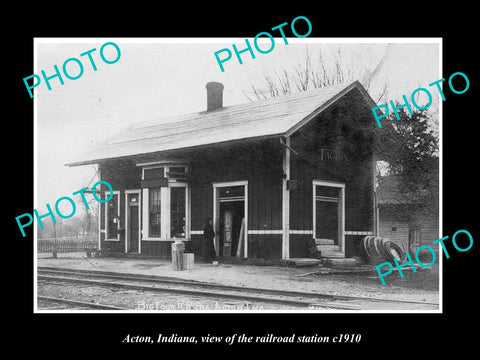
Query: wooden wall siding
<point x="301" y="212"/>
<point x="430" y="233"/>
<point x="301" y="198"/>
<point x="265" y="246"/>
<point x="345" y="127"/>
<point x="429" y="226"/>
<point x="113" y="246"/>
<point x="299" y="245"/>
<point x="121" y="175"/>
<point x="202" y="204"/>
<point x="353" y="245"/>
<point x="161" y="249"/>
<point x="202" y="207"/>
<point x="404" y="219"/>
<point x="400" y="236"/>
<point x="260" y="164"/>
<point x="195" y="245"/>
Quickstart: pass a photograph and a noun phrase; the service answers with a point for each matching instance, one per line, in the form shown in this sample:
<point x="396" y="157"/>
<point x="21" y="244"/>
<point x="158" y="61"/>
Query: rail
<point x="148" y="283"/>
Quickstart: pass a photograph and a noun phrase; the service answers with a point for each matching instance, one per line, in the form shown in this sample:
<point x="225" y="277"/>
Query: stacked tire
<point x="377" y="249"/>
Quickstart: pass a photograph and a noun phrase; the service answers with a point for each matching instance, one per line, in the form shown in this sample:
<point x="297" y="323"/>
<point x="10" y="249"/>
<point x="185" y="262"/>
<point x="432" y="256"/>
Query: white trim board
<point x="264" y="232"/>
<point x="358" y="232"/>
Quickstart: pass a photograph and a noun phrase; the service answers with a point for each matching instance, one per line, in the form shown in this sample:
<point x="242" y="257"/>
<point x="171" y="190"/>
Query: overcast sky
<point x="156" y="78"/>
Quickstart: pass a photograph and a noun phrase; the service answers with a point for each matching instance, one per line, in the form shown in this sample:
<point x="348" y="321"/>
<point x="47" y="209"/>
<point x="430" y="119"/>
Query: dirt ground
<point x="422" y="286"/>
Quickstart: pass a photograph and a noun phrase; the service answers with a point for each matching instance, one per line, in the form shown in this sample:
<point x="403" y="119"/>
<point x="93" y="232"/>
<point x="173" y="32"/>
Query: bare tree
<point x="318" y="72"/>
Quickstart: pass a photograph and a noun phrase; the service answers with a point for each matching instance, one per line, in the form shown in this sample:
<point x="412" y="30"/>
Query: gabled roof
<point x="266" y="118"/>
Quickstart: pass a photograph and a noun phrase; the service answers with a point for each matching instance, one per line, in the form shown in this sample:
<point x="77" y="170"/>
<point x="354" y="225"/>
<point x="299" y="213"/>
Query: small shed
<point x="275" y="176"/>
<point x="404" y="218"/>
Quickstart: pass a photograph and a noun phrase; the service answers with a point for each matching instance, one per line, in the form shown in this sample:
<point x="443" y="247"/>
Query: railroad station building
<point x="274" y="175"/>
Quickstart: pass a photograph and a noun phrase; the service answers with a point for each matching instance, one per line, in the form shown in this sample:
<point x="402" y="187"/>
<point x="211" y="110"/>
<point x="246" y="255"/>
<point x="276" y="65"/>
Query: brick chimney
<point x="214" y="95"/>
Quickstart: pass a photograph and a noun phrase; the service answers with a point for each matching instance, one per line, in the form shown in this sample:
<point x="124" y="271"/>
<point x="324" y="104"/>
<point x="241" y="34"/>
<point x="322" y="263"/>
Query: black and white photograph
<point x="221" y="182"/>
<point x="268" y="187"/>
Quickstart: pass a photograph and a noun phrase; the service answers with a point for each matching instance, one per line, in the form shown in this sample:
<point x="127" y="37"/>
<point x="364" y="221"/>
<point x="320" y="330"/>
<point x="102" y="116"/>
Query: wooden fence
<point x="65" y="245"/>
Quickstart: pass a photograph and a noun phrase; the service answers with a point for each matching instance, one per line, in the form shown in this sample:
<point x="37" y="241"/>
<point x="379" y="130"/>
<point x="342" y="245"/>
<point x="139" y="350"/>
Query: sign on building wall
<point x="327" y="154"/>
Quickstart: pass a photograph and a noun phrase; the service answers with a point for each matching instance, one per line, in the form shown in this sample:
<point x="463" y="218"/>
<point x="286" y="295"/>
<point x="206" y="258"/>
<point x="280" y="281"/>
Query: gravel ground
<point x="421" y="286"/>
<point x="148" y="301"/>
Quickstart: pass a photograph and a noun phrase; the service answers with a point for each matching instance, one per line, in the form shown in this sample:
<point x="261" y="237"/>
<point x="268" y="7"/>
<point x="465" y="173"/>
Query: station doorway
<point x="329" y="212"/>
<point x="230" y="214"/>
<point x="132" y="221"/>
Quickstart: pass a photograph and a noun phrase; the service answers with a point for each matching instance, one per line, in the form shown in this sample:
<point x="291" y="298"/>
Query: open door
<point x="329" y="214"/>
<point x="231" y="216"/>
<point x="230" y="211"/>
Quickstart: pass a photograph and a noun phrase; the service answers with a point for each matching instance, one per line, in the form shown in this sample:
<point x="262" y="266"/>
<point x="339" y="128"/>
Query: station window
<point x="154" y="212"/>
<point x="177" y="211"/>
<point x="176" y="169"/>
<point x="165" y="213"/>
<point x="112" y="217"/>
<point x="154" y="173"/>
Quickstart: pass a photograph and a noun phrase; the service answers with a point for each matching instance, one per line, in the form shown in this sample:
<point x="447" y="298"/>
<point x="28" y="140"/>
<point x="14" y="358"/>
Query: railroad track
<point x="72" y="304"/>
<point x="169" y="285"/>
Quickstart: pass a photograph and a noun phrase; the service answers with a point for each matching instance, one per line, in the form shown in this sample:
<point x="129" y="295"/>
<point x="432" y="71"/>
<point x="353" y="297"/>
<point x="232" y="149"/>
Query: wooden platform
<point x="294" y="262"/>
<point x="297" y="262"/>
<point x="343" y="262"/>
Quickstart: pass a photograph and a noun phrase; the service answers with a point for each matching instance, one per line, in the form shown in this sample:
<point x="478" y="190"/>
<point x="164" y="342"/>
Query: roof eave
<point x="292" y="130"/>
<point x="354" y="85"/>
<point x="203" y="146"/>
